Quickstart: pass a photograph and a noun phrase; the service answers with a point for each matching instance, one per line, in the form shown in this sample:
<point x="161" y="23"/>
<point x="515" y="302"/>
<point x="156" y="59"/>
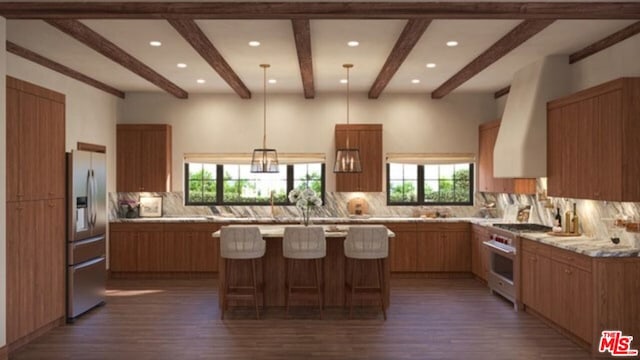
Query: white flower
<point x="294" y="195"/>
<point x="317" y="202"/>
<point x="308" y="194"/>
<point x="302" y="204"/>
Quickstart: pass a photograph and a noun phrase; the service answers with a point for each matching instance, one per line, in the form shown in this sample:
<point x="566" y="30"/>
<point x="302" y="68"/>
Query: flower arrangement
<point x="305" y="200"/>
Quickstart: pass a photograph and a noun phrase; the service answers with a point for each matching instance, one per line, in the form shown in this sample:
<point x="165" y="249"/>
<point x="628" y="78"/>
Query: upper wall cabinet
<point x="35" y="142"/>
<point x="592" y="147"/>
<point x="143" y="158"/>
<point x="488" y="133"/>
<point x="367" y="138"/>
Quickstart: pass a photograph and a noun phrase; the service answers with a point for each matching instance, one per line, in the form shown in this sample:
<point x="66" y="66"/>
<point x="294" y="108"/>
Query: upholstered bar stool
<point x="365" y="243"/>
<point x="241" y="244"/>
<point x="303" y="244"/>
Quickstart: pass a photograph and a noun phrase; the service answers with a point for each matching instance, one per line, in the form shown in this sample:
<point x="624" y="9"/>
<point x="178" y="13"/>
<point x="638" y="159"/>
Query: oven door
<point x="501" y="278"/>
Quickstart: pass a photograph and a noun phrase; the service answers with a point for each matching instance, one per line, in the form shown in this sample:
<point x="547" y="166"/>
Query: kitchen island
<point x="272" y="267"/>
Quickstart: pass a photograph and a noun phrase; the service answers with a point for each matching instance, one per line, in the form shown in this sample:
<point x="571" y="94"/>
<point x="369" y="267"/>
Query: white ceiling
<point x="329" y="49"/>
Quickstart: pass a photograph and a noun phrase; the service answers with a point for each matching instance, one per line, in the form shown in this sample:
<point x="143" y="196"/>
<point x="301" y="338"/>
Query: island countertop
<point x="277" y="231"/>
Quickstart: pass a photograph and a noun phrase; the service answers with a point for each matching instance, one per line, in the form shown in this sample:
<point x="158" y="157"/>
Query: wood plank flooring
<point x="179" y="319"/>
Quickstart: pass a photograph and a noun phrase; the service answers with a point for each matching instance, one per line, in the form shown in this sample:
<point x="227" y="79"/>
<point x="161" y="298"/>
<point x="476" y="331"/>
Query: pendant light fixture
<point x="347" y="158"/>
<point x="264" y="160"/>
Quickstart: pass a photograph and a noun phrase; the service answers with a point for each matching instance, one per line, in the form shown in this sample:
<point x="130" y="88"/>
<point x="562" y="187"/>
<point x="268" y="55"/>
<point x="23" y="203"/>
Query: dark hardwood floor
<point x="179" y="319"/>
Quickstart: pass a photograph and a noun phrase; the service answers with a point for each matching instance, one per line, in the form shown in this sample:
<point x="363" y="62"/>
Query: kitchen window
<point x="239" y="186"/>
<point x="430" y="184"/>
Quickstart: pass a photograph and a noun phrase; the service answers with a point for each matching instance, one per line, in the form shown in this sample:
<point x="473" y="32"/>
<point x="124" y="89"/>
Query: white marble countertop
<point x="277" y="231"/>
<point x="585" y="245"/>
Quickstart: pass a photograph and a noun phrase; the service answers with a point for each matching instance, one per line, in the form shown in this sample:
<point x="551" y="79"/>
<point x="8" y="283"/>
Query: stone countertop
<point x="585" y="245"/>
<point x="277" y="231"/>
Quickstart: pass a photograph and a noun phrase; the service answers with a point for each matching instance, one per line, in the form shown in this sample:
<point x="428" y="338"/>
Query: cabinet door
<point x="403" y="252"/>
<point x="152" y="251"/>
<point x="123" y="251"/>
<point x="155" y="164"/>
<point x="431" y="250"/>
<point x="32" y="162"/>
<point x="608" y="148"/>
<point x="528" y="279"/>
<point x="14" y="153"/>
<point x="53" y="149"/>
<point x="543" y="285"/>
<point x="129" y="160"/>
<point x="371" y="158"/>
<point x="348" y="181"/>
<point x="554" y="152"/>
<point x="457" y="251"/>
<point x="588" y="147"/>
<point x="562" y="151"/>
<point x="580" y="286"/>
<point x="485" y="161"/>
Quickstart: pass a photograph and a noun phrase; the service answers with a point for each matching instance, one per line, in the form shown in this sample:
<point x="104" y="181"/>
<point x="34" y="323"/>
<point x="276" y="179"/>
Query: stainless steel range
<point x="504" y="245"/>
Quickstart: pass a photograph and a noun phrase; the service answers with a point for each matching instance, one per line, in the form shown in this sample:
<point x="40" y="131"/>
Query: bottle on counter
<point x="575" y="221"/>
<point x="558" y="221"/>
<point x="568" y="215"/>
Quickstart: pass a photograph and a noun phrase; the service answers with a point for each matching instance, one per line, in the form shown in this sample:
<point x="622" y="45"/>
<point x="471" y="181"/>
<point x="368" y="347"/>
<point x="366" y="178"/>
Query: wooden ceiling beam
<point x="97" y="42"/>
<point x="602" y="44"/>
<point x="191" y="32"/>
<point x="409" y="37"/>
<point x="48" y="63"/>
<point x="321" y="10"/>
<point x="302" y="35"/>
<point x="514" y="38"/>
<point x="502" y="92"/>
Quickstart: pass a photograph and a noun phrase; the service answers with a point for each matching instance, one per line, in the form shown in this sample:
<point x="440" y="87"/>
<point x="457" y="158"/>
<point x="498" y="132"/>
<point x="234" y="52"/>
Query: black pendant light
<point x="347" y="158"/>
<point x="264" y="160"/>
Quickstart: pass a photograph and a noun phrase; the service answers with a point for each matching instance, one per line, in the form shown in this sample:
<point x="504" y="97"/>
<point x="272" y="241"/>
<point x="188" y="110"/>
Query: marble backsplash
<point x="335" y="205"/>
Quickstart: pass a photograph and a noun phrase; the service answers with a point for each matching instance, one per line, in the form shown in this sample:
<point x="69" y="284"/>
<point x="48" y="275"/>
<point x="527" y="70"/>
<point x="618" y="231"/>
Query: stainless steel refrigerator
<point x="86" y="249"/>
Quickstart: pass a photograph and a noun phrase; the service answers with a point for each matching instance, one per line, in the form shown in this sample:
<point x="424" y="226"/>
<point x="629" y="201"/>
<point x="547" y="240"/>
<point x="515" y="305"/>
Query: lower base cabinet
<point x="479" y="252"/>
<point x="166" y="247"/>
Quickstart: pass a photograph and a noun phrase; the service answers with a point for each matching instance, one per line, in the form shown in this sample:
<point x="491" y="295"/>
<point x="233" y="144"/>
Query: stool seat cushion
<point x="241" y="243"/>
<point x="367" y="242"/>
<point x="304" y="242"/>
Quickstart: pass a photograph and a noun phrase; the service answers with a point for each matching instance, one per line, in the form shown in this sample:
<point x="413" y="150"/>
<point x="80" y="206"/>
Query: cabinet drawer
<point x="138" y="226"/>
<point x="536" y="248"/>
<point x="571" y="258"/>
<point x="400" y="227"/>
<point x="444" y="226"/>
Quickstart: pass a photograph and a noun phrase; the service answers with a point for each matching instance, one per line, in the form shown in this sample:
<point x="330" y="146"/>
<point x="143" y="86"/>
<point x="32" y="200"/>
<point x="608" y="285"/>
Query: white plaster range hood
<point x="521" y="147"/>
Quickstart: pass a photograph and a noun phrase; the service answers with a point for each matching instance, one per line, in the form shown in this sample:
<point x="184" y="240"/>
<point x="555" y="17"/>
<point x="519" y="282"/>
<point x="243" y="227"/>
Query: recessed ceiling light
<point x="353" y="43"/>
<point x="155" y="43"/>
<point x="201" y="81"/>
<point x="415" y="81"/>
<point x="431" y="65"/>
<point x="254" y="43"/>
<point x="272" y="81"/>
<point x="343" y="81"/>
<point x="181" y="65"/>
<point x="452" y="43"/>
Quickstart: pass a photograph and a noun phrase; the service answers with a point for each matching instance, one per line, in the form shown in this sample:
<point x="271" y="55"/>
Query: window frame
<point x="420" y="189"/>
<point x="220" y="188"/>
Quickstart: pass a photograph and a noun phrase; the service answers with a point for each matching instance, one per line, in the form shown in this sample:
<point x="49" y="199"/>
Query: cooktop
<point x="523" y="227"/>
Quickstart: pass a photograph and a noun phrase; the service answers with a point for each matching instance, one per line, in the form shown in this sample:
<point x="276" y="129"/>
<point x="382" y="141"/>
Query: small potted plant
<point x="305" y="200"/>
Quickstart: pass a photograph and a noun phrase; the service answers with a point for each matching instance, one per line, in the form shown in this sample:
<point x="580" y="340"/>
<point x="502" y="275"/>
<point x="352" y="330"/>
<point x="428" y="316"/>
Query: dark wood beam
<point x="502" y="92"/>
<point x="514" y="38"/>
<point x="602" y="44"/>
<point x="201" y="43"/>
<point x="321" y="10"/>
<point x="409" y="37"/>
<point x="97" y="42"/>
<point x="39" y="59"/>
<point x="302" y="35"/>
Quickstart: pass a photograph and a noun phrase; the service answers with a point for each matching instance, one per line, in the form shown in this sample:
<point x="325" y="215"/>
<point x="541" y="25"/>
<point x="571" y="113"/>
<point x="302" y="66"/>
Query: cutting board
<point x="352" y="206"/>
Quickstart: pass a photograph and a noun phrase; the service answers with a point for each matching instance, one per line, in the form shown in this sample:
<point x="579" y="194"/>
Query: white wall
<point x="3" y="178"/>
<point x="225" y="123"/>
<point x="90" y="114"/>
<point x="619" y="60"/>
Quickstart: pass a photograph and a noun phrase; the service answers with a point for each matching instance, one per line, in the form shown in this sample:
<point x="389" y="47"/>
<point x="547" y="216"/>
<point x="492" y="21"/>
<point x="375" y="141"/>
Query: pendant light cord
<point x="264" y="124"/>
<point x="347" y="66"/>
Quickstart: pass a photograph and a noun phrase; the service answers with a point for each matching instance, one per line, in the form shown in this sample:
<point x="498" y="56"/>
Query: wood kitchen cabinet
<point x="488" y="134"/>
<point x="403" y="254"/>
<point x="143" y="158"/>
<point x="535" y="277"/>
<point x="36" y="222"/>
<point x="443" y="247"/>
<point x="592" y="143"/>
<point x="162" y="248"/>
<point x="368" y="139"/>
<point x="571" y="296"/>
<point x="479" y="252"/>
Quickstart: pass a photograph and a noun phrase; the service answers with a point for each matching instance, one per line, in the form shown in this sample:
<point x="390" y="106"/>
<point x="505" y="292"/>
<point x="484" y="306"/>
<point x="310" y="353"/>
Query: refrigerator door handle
<point x="88" y="263"/>
<point x="94" y="193"/>
<point x="89" y="211"/>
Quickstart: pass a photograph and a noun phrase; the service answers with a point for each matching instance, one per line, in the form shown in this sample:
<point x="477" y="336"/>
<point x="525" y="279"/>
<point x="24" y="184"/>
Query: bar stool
<point x="303" y="243"/>
<point x="365" y="243"/>
<point x="241" y="244"/>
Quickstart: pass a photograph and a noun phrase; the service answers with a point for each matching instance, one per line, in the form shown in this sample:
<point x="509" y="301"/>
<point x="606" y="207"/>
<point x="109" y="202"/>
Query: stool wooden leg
<point x="288" y="285"/>
<point x="317" y="271"/>
<point x="225" y="288"/>
<point x="380" y="282"/>
<point x="353" y="286"/>
<point x="255" y="287"/>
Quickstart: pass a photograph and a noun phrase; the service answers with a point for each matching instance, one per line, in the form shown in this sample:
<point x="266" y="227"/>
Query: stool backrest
<point x="244" y="242"/>
<point x="306" y="242"/>
<point x="367" y="242"/>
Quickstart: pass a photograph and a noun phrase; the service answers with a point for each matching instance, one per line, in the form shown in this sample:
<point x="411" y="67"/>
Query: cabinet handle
<point x="19" y="208"/>
<point x="51" y="204"/>
<point x="568" y="272"/>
